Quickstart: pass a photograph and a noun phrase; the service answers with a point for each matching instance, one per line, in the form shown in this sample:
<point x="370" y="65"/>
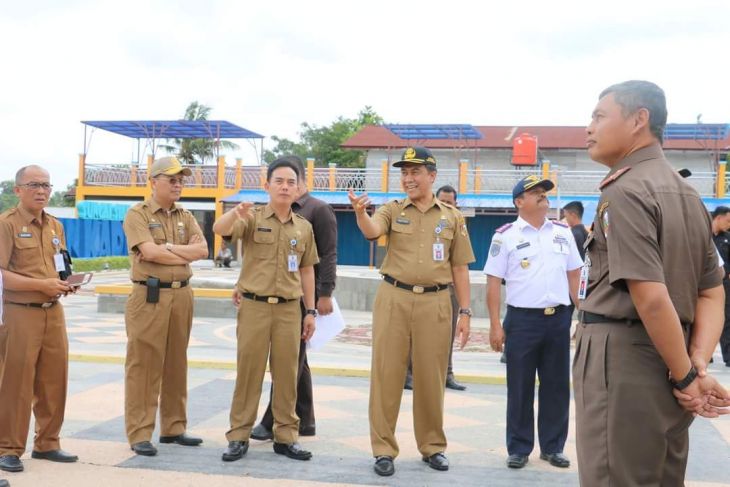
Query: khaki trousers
<point x="630" y="430"/>
<point x="264" y="331"/>
<point x="33" y="375"/>
<point x="157" y="362"/>
<point x="403" y="321"/>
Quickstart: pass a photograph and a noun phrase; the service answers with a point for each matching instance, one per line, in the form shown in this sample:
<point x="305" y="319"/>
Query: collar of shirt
<point x="302" y="200"/>
<point x="653" y="151"/>
<point x="269" y="212"/>
<point x="434" y="202"/>
<point x="522" y="224"/>
<point x="155" y="206"/>
<point x="28" y="217"/>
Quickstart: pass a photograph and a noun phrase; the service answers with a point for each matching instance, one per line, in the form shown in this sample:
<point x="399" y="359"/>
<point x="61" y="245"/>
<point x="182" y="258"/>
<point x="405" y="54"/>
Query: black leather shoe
<point x="183" y="439"/>
<point x="4" y="483"/>
<point x="55" y="456"/>
<point x="11" y="463"/>
<point x="235" y="450"/>
<point x="144" y="448"/>
<point x="437" y="461"/>
<point x="517" y="461"/>
<point x="452" y="384"/>
<point x="307" y="431"/>
<point x="292" y="450"/>
<point x="384" y="466"/>
<point x="262" y="433"/>
<point x="409" y="383"/>
<point x="556" y="459"/>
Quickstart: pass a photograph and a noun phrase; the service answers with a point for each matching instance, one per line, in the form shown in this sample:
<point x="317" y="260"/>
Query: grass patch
<point x="100" y="263"/>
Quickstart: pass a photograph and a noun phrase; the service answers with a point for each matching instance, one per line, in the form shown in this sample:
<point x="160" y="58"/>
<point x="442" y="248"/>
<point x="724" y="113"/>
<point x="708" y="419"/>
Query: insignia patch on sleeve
<point x="496" y="248"/>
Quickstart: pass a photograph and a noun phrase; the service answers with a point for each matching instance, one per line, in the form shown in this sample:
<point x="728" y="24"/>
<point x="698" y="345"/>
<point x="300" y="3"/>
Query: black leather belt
<point x="411" y="287"/>
<point x="34" y="305"/>
<point x="550" y="310"/>
<point x="267" y="299"/>
<point x="587" y="317"/>
<point x="167" y="285"/>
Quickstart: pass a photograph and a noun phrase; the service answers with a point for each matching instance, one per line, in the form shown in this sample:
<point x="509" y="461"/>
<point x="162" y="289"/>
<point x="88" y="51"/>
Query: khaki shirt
<point x="411" y="238"/>
<point x="149" y="222"/>
<point x="650" y="225"/>
<point x="27" y="248"/>
<point x="267" y="244"/>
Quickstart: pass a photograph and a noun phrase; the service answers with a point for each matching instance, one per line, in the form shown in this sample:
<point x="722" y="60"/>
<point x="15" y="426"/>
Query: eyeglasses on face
<point x="173" y="181"/>
<point x="36" y="186"/>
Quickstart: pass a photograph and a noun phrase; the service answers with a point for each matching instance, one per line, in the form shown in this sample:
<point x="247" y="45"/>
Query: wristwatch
<point x="168" y="246"/>
<point x="466" y="311"/>
<point x="312" y="312"/>
<point x="682" y="384"/>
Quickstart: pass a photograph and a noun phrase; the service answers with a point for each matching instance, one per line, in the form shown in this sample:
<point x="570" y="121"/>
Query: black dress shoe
<point x="437" y="461"/>
<point x="262" y="433"/>
<point x="144" y="448"/>
<point x="183" y="439"/>
<point x="556" y="459"/>
<point x="307" y="430"/>
<point x="4" y="483"/>
<point x="292" y="450"/>
<point x="384" y="466"/>
<point x="55" y="456"/>
<point x="452" y="384"/>
<point x="517" y="461"/>
<point x="235" y="450"/>
<point x="409" y="383"/>
<point x="11" y="463"/>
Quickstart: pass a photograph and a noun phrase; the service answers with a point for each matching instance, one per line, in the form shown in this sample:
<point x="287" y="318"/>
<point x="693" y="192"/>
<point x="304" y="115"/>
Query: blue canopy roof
<point x="430" y="131"/>
<point x="701" y="131"/>
<point x="175" y="129"/>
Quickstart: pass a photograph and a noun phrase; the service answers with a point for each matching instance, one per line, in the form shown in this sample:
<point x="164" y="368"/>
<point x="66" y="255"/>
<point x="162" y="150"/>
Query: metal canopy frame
<point x="431" y="131"/>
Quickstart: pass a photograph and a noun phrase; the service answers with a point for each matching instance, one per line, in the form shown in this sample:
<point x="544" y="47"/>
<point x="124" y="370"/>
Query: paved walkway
<point x="94" y="426"/>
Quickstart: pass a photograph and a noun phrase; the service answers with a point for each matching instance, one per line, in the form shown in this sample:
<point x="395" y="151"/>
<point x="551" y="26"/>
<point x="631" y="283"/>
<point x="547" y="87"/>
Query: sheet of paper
<point x="328" y="327"/>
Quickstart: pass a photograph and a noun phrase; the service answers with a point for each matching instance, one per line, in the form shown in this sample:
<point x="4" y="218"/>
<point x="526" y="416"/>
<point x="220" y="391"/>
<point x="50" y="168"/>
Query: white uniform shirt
<point x="534" y="263"/>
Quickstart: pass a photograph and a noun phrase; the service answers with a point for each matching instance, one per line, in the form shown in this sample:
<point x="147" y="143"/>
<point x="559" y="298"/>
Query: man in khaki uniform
<point x="279" y="254"/>
<point x="428" y="249"/>
<point x="163" y="240"/>
<point x="653" y="303"/>
<point x="33" y="341"/>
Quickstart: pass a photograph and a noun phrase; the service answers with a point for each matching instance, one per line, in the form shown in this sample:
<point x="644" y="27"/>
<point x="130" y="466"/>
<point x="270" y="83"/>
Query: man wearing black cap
<point x="540" y="264"/>
<point x="428" y="249"/>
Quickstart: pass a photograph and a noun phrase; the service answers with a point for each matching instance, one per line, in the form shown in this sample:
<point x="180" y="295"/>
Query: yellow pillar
<point x="82" y="178"/>
<point x="332" y="176"/>
<point x="150" y="161"/>
<point x="384" y="176"/>
<point x="221" y="173"/>
<point x="545" y="169"/>
<point x="310" y="173"/>
<point x="478" y="179"/>
<point x="462" y="176"/>
<point x="720" y="186"/>
<point x="133" y="175"/>
<point x="262" y="176"/>
<point x="239" y="162"/>
<point x="554" y="179"/>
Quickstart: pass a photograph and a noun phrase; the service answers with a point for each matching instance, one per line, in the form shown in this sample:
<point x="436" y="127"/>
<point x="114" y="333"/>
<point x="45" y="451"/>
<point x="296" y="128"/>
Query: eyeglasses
<point x="36" y="186"/>
<point x="173" y="181"/>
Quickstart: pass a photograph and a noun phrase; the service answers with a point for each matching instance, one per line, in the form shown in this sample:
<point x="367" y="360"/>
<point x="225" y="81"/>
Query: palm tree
<point x="196" y="151"/>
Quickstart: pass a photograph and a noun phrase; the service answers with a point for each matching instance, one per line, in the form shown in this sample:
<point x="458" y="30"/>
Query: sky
<point x="269" y="66"/>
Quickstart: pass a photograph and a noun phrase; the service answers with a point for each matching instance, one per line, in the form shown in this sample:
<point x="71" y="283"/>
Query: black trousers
<point x="540" y="343"/>
<point x="725" y="337"/>
<point x="305" y="398"/>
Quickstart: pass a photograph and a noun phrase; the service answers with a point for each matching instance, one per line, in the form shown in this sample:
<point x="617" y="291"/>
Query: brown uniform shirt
<point x="267" y="244"/>
<point x="148" y="222"/>
<point x="27" y="248"/>
<point x="650" y="225"/>
<point x="411" y="235"/>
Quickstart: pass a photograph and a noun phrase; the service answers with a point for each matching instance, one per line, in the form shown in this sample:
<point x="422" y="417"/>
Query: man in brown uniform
<point x="652" y="274"/>
<point x="163" y="239"/>
<point x="277" y="271"/>
<point x="33" y="341"/>
<point x="428" y="249"/>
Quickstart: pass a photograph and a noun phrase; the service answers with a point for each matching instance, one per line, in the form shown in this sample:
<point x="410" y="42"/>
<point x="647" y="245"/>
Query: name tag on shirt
<point x="438" y="252"/>
<point x="59" y="262"/>
<point x="263" y="229"/>
<point x="293" y="264"/>
<point x="25" y="235"/>
<point x="583" y="283"/>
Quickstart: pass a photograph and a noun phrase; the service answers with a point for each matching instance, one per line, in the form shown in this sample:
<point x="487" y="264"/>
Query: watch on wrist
<point x="688" y="379"/>
<point x="168" y="246"/>
<point x="312" y="312"/>
<point x="466" y="311"/>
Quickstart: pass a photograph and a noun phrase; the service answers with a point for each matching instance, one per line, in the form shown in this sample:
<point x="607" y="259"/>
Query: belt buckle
<point x="549" y="311"/>
<point x="418" y="289"/>
<point x="272" y="300"/>
<point x="46" y="305"/>
<point x="175" y="285"/>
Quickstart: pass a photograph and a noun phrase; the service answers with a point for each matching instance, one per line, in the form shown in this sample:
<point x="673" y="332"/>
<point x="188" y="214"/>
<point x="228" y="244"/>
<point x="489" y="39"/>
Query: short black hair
<point x="296" y="160"/>
<point x="637" y="94"/>
<point x="282" y="162"/>
<point x="447" y="188"/>
<point x="720" y="211"/>
<point x="575" y="207"/>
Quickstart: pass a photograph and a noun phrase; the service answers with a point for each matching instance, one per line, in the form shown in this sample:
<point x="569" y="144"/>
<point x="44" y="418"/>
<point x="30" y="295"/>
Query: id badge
<point x="583" y="283"/>
<point x="438" y="252"/>
<point x="59" y="262"/>
<point x="293" y="264"/>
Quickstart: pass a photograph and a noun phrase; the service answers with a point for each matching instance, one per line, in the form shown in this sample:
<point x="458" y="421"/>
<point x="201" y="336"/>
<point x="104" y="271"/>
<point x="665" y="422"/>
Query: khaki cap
<point x="169" y="166"/>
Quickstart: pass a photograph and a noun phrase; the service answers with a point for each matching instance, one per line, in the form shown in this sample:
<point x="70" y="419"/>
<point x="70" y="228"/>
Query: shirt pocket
<point x="158" y="233"/>
<point x="263" y="245"/>
<point x="26" y="245"/>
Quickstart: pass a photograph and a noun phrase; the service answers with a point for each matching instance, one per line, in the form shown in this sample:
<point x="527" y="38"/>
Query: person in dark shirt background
<point x="721" y="236"/>
<point x="573" y="212"/>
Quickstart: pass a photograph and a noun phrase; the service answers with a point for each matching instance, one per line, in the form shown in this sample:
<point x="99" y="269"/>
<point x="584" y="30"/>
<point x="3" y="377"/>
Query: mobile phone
<point x="79" y="279"/>
<point x="153" y="289"/>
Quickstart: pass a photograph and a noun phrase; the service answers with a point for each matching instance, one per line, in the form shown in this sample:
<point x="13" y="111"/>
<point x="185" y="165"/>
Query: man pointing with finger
<point x="428" y="249"/>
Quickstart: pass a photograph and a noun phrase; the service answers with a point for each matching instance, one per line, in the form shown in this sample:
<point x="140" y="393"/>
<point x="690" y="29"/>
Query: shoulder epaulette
<point x="297" y="215"/>
<point x="7" y="213"/>
<point x="503" y="228"/>
<point x="613" y="177"/>
<point x="559" y="223"/>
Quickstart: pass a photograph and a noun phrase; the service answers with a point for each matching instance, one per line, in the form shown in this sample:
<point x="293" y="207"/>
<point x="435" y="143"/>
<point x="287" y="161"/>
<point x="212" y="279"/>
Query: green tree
<point x="64" y="198"/>
<point x="196" y="151"/>
<point x="323" y="143"/>
<point x="7" y="195"/>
